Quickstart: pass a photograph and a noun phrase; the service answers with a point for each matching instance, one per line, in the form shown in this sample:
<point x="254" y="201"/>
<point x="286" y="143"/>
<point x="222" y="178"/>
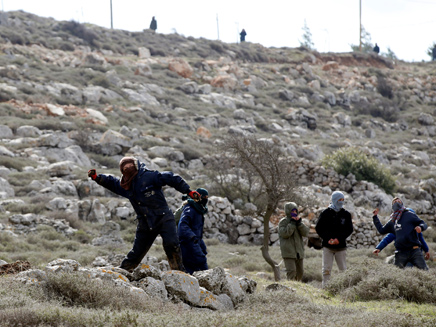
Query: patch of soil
<point x="357" y="59"/>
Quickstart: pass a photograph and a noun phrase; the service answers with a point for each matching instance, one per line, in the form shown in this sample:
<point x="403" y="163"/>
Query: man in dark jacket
<point x="406" y="226"/>
<point x="291" y="233"/>
<point x="153" y="24"/>
<point x="376" y="49"/>
<point x="242" y="35"/>
<point x="143" y="188"/>
<point x="190" y="232"/>
<point x="334" y="226"/>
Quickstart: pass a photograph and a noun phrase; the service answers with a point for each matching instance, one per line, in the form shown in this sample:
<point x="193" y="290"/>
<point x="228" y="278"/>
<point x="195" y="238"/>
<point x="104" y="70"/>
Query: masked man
<point x="406" y="226"/>
<point x="190" y="232"/>
<point x="334" y="226"/>
<point x="143" y="188"/>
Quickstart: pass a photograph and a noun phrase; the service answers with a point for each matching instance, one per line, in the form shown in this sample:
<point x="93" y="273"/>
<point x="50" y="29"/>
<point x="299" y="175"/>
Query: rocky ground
<point x="76" y="97"/>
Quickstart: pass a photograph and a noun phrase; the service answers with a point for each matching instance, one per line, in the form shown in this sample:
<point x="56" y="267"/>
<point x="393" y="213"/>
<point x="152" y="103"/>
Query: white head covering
<point x="335" y="204"/>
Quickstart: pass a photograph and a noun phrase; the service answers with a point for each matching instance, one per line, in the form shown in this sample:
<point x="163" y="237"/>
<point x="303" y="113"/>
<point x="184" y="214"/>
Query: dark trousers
<point x="144" y="239"/>
<point x="415" y="257"/>
<point x="294" y="268"/>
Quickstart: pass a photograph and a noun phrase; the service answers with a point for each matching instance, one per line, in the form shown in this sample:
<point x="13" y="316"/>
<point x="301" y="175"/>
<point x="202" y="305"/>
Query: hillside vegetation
<point x="77" y="96"/>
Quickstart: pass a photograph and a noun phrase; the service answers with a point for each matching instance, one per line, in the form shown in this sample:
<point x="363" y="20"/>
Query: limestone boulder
<point x="181" y="67"/>
<point x="153" y="287"/>
<point x="182" y="286"/>
<point x="218" y="281"/>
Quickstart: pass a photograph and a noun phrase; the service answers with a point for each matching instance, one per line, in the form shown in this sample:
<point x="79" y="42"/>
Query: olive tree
<point x="270" y="172"/>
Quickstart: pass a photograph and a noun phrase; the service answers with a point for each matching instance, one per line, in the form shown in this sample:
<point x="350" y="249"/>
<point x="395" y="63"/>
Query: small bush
<point x="352" y="160"/>
<point x="373" y="279"/>
<point x="81" y="31"/>
<point x="76" y="289"/>
<point x="67" y="46"/>
<point x="217" y="47"/>
<point x="385" y="108"/>
<point x="100" y="81"/>
<point x="14" y="164"/>
<point x="82" y="237"/>
<point x="157" y="52"/>
<point x="384" y="88"/>
<point x="20" y="317"/>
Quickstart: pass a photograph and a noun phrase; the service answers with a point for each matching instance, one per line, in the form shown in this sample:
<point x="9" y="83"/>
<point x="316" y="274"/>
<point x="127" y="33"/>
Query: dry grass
<point x="355" y="298"/>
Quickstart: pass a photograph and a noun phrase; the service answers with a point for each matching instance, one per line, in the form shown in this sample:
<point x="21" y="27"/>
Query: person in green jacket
<point x="291" y="232"/>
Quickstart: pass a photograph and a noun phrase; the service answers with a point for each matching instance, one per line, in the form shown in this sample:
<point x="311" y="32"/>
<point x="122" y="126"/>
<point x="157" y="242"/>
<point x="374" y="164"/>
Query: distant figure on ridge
<point x="243" y="34"/>
<point x="153" y="24"/>
<point x="376" y="49"/>
<point x="433" y="52"/>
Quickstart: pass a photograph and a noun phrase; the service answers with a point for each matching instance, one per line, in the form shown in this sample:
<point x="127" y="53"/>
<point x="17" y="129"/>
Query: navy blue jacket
<point x="404" y="229"/>
<point x="190" y="232"/>
<point x="391" y="237"/>
<point x="145" y="193"/>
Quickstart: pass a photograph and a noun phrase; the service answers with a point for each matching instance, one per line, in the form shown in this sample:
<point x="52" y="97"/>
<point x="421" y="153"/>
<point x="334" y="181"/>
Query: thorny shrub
<point x="373" y="279"/>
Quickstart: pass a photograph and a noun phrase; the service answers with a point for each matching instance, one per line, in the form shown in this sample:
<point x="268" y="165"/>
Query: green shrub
<point x="81" y="31"/>
<point x="384" y="87"/>
<point x="15" y="164"/>
<point x="67" y="46"/>
<point x="352" y="160"/>
<point x="82" y="237"/>
<point x="372" y="279"/>
<point x="100" y="81"/>
<point x="385" y="108"/>
<point x="76" y="289"/>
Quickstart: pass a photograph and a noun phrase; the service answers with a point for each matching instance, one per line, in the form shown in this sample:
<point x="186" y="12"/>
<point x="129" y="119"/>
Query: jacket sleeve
<point x="173" y="180"/>
<point x="419" y="222"/>
<point x="320" y="227"/>
<point x="286" y="228"/>
<point x="302" y="228"/>
<point x="112" y="184"/>
<point x="203" y="246"/>
<point x="423" y="243"/>
<point x="185" y="231"/>
<point x="388" y="228"/>
<point x="385" y="241"/>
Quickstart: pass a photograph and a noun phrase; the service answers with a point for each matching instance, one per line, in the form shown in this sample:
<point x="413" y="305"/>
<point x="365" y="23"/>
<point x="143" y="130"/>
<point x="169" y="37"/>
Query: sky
<point x="406" y="27"/>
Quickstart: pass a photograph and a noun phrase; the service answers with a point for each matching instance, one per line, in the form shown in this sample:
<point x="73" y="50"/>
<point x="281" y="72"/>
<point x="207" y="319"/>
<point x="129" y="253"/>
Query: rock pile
<point x="214" y="289"/>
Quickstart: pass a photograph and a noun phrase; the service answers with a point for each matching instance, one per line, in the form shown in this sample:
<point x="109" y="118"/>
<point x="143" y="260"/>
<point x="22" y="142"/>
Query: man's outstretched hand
<point x="92" y="173"/>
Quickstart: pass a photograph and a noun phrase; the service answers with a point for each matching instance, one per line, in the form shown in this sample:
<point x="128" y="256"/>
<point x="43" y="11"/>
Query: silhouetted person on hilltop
<point x="433" y="52"/>
<point x="153" y="24"/>
<point x="376" y="49"/>
<point x="242" y="34"/>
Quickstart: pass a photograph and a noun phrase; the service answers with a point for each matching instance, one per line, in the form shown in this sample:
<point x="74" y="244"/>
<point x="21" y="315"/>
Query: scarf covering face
<point x="288" y="207"/>
<point x="335" y="204"/>
<point x="200" y="206"/>
<point x="129" y="174"/>
<point x="397" y="211"/>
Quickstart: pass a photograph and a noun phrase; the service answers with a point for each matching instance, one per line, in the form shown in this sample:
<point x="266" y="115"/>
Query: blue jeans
<point x="415" y="257"/>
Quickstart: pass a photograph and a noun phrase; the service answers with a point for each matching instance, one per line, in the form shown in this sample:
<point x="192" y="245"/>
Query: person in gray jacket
<point x="291" y="232"/>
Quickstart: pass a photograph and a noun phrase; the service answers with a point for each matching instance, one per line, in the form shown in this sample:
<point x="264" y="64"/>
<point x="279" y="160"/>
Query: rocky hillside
<point x="78" y="96"/>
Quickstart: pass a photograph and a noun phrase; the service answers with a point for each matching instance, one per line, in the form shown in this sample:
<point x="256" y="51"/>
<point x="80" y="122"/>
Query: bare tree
<point x="274" y="180"/>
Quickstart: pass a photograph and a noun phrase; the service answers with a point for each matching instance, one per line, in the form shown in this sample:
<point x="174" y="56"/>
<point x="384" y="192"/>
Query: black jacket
<point x="332" y="224"/>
